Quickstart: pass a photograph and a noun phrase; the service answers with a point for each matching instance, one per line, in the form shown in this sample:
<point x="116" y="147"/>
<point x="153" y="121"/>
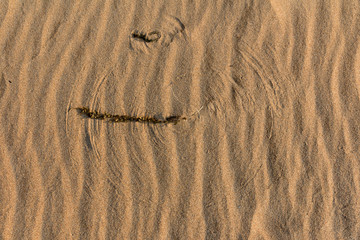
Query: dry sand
<point x="269" y="150"/>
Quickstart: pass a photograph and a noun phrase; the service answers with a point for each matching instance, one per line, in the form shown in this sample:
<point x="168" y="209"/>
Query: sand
<point x="269" y="148"/>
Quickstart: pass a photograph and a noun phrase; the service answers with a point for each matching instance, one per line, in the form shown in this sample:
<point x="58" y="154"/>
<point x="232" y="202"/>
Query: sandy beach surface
<point x="227" y="119"/>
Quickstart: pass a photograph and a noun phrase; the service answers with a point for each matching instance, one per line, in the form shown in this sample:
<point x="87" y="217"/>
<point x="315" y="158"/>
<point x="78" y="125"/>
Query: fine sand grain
<point x="265" y="96"/>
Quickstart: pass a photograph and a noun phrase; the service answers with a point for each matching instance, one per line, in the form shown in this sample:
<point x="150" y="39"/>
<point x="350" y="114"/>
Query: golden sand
<point x="269" y="148"/>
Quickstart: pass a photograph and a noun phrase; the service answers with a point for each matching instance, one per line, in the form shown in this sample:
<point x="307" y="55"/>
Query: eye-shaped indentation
<point x="165" y="34"/>
<point x="142" y="41"/>
<point x="153" y="36"/>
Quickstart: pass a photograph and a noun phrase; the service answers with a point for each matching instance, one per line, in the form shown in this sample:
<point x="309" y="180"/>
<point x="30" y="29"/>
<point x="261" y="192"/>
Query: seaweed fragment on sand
<point x="125" y="118"/>
<point x="146" y="37"/>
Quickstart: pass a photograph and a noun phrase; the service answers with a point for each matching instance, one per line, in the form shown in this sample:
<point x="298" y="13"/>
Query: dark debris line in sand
<point x="153" y="36"/>
<point x="124" y="118"/>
